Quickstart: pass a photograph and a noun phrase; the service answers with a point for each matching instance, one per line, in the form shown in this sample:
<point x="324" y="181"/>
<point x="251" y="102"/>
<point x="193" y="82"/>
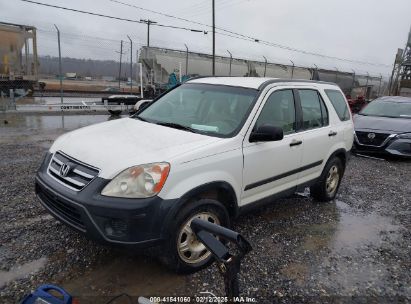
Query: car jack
<point x="229" y="264"/>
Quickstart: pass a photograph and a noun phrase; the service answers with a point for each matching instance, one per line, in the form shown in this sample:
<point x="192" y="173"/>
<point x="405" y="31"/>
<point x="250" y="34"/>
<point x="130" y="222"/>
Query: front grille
<point x="65" y="210"/>
<point x="364" y="138"/>
<point x="78" y="174"/>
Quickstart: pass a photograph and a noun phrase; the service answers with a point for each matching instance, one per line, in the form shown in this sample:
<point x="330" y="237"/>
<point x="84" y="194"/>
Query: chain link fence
<point x="92" y="68"/>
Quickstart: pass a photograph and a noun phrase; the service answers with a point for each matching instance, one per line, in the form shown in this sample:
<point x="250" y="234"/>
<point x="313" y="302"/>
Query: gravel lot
<point x="355" y="249"/>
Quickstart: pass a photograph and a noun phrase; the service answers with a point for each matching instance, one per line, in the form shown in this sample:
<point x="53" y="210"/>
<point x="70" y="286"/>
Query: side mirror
<point x="267" y="133"/>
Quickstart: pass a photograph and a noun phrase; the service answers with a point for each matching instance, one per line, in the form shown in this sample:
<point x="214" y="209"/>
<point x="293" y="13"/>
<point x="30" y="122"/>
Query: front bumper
<point x="393" y="146"/>
<point x="138" y="222"/>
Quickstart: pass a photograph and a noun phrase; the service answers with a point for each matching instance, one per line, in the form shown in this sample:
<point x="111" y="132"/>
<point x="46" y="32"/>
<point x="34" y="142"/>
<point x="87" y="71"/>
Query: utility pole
<point x="186" y="58"/>
<point x="131" y="64"/>
<point x="119" y="69"/>
<point x="213" y="37"/>
<point x="148" y="22"/>
<point x="60" y="69"/>
<point x="231" y="59"/>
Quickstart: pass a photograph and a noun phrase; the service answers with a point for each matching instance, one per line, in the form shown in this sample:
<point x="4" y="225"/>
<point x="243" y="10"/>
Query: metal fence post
<point x="186" y="59"/>
<point x="141" y="81"/>
<point x="336" y="74"/>
<point x="119" y="69"/>
<point x="231" y="59"/>
<point x="366" y="86"/>
<point x="316" y="69"/>
<point x="131" y="64"/>
<point x="292" y="69"/>
<point x="60" y="69"/>
<point x="265" y="65"/>
<point x="353" y="80"/>
<point x="379" y="87"/>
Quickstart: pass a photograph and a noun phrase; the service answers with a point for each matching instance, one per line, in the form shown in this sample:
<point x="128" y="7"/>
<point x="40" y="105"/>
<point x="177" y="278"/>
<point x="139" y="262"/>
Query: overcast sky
<point x="363" y="30"/>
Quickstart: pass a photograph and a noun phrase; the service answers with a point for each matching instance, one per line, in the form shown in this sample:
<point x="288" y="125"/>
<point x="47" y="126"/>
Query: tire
<point x="183" y="258"/>
<point x="329" y="182"/>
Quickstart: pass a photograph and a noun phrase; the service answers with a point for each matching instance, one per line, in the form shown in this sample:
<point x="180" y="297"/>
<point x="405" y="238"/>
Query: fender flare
<point x="232" y="209"/>
<point x="340" y="151"/>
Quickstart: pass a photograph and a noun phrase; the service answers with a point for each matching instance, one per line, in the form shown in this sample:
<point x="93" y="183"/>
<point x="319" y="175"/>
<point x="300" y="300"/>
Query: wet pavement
<point x="354" y="249"/>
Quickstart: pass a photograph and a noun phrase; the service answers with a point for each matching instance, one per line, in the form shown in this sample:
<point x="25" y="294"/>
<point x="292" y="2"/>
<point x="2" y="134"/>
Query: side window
<point x="314" y="111"/>
<point x="279" y="110"/>
<point x="339" y="104"/>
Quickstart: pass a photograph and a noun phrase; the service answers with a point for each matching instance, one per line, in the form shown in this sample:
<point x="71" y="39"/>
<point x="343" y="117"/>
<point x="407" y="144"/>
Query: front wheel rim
<point x="333" y="178"/>
<point x="189" y="248"/>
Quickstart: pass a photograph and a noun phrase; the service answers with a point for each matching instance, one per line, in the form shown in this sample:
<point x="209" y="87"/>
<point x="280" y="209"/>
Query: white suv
<point x="210" y="148"/>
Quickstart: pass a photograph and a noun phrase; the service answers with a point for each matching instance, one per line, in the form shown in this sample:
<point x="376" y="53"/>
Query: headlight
<point x="405" y="136"/>
<point x="139" y="181"/>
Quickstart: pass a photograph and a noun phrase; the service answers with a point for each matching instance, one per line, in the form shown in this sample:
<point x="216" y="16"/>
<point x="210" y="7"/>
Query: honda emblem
<point x="64" y="170"/>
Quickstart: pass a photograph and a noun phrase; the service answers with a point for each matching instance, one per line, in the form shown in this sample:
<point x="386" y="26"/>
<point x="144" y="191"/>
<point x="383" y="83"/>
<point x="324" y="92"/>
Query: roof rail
<point x="278" y="80"/>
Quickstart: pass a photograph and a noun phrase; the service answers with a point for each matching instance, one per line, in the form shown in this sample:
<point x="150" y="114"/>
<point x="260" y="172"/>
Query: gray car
<point x="384" y="127"/>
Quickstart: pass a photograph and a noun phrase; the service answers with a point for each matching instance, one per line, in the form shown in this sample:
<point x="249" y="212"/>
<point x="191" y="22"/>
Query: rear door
<point x="318" y="136"/>
<point x="272" y="167"/>
<point x="344" y="121"/>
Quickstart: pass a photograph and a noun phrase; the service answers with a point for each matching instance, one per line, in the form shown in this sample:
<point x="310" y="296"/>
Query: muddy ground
<point x="354" y="249"/>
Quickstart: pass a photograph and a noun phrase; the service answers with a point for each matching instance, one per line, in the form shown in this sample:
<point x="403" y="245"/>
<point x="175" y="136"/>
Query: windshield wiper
<point x="176" y="126"/>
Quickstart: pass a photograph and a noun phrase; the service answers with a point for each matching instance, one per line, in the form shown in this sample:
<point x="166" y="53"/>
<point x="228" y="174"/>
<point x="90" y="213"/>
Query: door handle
<point x="332" y="133"/>
<point x="295" y="143"/>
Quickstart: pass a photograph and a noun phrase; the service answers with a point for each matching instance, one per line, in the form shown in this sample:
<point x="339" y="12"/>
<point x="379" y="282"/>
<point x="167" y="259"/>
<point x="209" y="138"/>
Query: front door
<point x="272" y="167"/>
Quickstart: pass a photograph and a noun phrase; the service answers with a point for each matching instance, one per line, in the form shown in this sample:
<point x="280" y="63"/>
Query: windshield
<point x="387" y="108"/>
<point x="202" y="108"/>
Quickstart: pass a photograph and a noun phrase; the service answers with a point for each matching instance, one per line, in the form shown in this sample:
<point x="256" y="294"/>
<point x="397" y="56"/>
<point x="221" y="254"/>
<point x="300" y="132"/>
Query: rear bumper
<point x="136" y="222"/>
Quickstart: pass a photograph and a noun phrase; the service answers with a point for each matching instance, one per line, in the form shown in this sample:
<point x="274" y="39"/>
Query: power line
<point x="111" y="17"/>
<point x="232" y="33"/>
<point x="236" y="35"/>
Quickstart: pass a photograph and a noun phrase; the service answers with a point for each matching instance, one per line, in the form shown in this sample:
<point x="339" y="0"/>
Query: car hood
<point x="119" y="144"/>
<point x="385" y="124"/>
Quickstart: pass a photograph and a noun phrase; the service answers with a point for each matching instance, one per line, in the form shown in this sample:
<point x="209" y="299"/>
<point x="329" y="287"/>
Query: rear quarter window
<point x="338" y="101"/>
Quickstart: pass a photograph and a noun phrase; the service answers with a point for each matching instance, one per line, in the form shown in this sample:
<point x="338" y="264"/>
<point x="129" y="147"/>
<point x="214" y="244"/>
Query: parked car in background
<point x="126" y="99"/>
<point x="383" y="127"/>
<point x="211" y="148"/>
<point x="356" y="104"/>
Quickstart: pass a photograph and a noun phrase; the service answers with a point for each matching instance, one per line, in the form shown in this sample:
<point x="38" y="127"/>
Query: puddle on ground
<point x="134" y="275"/>
<point x="345" y="242"/>
<point x="348" y="230"/>
<point x="355" y="231"/>
<point x="21" y="271"/>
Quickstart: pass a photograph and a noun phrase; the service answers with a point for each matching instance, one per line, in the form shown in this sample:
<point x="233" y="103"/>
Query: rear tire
<point x="327" y="186"/>
<point x="182" y="252"/>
